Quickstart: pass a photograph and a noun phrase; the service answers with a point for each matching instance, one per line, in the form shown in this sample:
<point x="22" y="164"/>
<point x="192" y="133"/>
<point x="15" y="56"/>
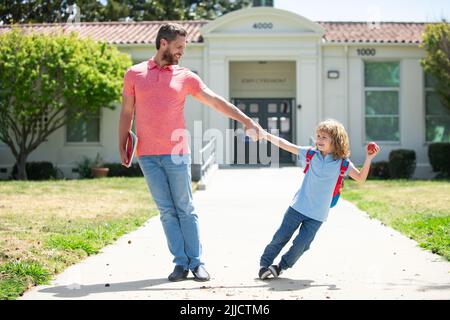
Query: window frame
<point x="427" y="89"/>
<point x="86" y="143"/>
<point x="397" y="89"/>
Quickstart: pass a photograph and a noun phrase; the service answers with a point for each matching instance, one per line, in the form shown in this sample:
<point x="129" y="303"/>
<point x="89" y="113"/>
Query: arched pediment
<point x="261" y="21"/>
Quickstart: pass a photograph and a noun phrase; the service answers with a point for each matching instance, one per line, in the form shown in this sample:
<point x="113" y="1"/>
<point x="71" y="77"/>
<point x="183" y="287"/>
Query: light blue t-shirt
<point x="314" y="197"/>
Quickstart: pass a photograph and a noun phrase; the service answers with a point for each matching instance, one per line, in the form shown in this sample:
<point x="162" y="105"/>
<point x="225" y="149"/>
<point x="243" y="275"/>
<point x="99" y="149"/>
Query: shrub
<point x="42" y="170"/>
<point x="118" y="170"/>
<point x="84" y="168"/>
<point x="439" y="155"/>
<point x="402" y="163"/>
<point x="379" y="170"/>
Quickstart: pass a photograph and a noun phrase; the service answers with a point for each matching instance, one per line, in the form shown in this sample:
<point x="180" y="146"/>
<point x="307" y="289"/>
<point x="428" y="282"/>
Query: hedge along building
<point x="287" y="72"/>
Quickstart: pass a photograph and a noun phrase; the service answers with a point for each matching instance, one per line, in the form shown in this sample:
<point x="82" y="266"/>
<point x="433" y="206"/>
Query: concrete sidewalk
<point x="352" y="257"/>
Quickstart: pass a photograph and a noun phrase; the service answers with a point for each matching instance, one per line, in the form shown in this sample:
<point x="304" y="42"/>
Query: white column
<point x="308" y="97"/>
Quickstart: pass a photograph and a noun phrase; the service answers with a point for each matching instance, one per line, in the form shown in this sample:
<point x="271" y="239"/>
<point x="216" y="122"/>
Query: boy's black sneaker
<point x="264" y="272"/>
<point x="275" y="270"/>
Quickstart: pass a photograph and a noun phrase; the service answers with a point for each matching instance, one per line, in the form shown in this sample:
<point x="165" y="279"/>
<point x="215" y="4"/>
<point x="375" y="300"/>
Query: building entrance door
<point x="271" y="114"/>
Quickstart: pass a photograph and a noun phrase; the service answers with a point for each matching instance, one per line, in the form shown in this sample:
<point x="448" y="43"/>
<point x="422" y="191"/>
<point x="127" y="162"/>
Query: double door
<point x="271" y="114"/>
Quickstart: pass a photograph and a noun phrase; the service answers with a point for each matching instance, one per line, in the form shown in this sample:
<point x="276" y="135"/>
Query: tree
<point x="436" y="42"/>
<point x="212" y="9"/>
<point x="149" y="10"/>
<point x="38" y="11"/>
<point x="47" y="81"/>
<point x="116" y="10"/>
<point x="49" y="11"/>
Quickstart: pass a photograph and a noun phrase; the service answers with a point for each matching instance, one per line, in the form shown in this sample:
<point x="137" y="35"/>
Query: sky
<point x="369" y="10"/>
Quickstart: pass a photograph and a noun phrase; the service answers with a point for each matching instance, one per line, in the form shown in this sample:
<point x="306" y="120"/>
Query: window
<point x="437" y="116"/>
<point x="381" y="96"/>
<point x="86" y="129"/>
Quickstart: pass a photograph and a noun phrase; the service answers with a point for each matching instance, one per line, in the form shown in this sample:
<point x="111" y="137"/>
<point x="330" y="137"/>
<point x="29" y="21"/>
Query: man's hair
<point x="338" y="136"/>
<point x="169" y="31"/>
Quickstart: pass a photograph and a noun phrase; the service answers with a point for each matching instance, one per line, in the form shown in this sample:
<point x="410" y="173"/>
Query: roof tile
<point x="145" y="32"/>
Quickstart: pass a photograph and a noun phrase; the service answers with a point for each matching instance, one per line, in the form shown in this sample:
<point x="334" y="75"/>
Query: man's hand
<point x="123" y="156"/>
<point x="254" y="130"/>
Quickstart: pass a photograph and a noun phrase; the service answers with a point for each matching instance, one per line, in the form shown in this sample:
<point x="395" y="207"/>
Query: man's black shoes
<point x="178" y="274"/>
<point x="200" y="273"/>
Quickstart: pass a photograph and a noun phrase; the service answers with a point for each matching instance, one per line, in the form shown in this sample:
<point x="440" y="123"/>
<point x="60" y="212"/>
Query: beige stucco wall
<point x="294" y="48"/>
<point x="344" y="98"/>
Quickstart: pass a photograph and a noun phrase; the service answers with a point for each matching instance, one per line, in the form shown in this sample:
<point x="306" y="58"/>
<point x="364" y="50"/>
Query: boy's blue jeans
<point x="169" y="180"/>
<point x="291" y="221"/>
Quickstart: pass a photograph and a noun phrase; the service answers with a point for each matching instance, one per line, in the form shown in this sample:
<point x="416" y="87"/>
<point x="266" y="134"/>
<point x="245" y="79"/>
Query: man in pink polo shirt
<point x="155" y="91"/>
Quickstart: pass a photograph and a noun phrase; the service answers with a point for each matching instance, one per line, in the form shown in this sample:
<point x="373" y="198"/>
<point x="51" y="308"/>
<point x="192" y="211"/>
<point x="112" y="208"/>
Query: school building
<point x="285" y="71"/>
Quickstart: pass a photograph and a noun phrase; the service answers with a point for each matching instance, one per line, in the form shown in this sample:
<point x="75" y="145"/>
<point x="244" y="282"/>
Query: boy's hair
<point x="169" y="31"/>
<point x="339" y="137"/>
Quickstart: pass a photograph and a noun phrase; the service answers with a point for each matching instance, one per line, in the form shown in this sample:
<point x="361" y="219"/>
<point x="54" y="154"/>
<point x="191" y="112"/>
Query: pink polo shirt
<point x="160" y="94"/>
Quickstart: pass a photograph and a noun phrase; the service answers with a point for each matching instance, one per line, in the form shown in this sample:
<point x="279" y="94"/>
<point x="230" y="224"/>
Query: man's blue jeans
<point x="169" y="180"/>
<point x="291" y="221"/>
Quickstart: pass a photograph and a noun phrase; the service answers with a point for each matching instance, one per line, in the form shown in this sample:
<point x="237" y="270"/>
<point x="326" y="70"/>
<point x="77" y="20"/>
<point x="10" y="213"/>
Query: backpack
<point x="340" y="182"/>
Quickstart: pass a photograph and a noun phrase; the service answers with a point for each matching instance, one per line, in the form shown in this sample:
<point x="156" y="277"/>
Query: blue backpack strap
<point x="344" y="165"/>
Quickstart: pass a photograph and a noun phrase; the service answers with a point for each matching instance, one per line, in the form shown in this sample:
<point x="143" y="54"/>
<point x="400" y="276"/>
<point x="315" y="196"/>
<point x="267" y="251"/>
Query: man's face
<point x="173" y="50"/>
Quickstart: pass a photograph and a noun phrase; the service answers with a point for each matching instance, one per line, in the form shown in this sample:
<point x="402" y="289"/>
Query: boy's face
<point x="324" y="142"/>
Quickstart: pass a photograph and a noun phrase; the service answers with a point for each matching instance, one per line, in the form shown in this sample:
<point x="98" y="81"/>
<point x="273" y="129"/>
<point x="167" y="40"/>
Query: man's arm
<point x="126" y="116"/>
<point x="218" y="103"/>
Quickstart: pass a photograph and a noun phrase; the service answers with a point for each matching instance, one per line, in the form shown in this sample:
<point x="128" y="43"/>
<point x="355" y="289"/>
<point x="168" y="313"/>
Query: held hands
<point x="372" y="150"/>
<point x="254" y="130"/>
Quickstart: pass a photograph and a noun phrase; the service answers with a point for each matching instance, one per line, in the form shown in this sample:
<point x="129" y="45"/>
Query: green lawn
<point x="419" y="209"/>
<point x="47" y="226"/>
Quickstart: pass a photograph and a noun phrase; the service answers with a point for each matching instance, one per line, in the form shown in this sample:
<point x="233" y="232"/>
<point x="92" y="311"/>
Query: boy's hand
<point x="254" y="130"/>
<point x="372" y="150"/>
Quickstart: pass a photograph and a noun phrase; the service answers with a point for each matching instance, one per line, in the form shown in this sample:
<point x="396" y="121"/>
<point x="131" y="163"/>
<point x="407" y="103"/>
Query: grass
<point x="46" y="226"/>
<point x="417" y="208"/>
<point x="17" y="276"/>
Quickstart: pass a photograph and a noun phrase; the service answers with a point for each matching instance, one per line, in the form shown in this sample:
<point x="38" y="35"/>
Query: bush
<point x="439" y="155"/>
<point x="118" y="170"/>
<point x="379" y="170"/>
<point x="43" y="170"/>
<point x="402" y="163"/>
<point x="84" y="168"/>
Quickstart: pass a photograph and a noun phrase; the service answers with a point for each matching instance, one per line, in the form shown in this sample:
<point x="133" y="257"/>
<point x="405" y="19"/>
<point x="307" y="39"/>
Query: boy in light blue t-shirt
<point x="311" y="203"/>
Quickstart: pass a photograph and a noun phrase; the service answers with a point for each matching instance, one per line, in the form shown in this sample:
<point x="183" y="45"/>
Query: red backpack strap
<point x="344" y="166"/>
<point x="309" y="156"/>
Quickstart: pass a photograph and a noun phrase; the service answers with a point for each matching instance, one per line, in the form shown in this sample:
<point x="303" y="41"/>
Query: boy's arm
<point x="281" y="143"/>
<point x="361" y="176"/>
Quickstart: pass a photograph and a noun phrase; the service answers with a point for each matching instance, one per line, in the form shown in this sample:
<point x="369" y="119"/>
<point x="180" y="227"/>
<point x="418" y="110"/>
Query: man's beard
<point x="169" y="58"/>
